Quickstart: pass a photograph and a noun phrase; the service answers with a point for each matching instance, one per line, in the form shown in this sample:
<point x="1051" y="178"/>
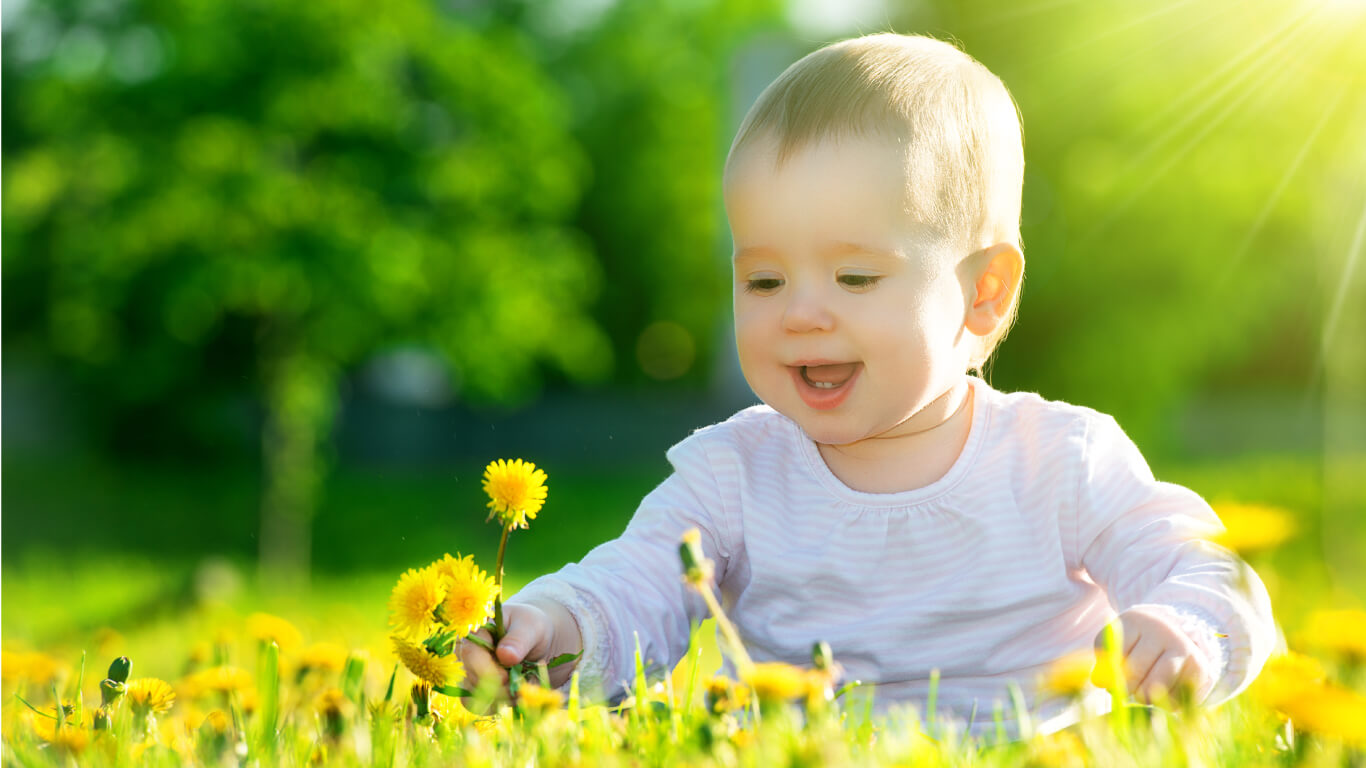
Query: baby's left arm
<point x="1192" y="613"/>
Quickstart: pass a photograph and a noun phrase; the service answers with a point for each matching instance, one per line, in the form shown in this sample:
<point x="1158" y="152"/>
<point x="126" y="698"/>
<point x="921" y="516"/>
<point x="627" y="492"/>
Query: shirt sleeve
<point x="633" y="585"/>
<point x="1147" y="543"/>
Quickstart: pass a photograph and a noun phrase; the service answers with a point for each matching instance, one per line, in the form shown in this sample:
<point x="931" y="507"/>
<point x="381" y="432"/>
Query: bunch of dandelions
<point x="433" y="608"/>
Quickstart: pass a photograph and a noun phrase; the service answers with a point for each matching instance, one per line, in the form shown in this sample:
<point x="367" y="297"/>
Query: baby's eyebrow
<point x="835" y="248"/>
<point x="753" y="251"/>
<point x="843" y="247"/>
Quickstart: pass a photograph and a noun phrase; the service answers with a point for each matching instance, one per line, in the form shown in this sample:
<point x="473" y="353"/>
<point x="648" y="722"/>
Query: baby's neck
<point x="907" y="462"/>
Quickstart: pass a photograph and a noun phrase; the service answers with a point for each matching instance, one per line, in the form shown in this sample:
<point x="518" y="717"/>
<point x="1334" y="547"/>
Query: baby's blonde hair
<point x="953" y="118"/>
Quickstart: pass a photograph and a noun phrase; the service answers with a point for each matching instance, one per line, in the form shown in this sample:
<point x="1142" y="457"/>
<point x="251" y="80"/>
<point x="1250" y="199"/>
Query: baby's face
<point x="848" y="319"/>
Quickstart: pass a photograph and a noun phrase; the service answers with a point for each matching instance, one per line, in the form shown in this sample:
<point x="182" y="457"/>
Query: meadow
<point x="228" y="670"/>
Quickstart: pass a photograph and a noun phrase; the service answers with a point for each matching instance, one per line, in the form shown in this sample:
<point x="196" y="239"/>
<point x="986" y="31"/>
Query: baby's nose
<point x="807" y="310"/>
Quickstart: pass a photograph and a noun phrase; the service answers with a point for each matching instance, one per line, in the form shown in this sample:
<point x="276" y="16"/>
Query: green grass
<point x="159" y="564"/>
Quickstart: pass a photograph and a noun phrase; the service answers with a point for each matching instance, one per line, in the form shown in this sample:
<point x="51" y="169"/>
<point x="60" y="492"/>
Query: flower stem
<point x="498" y="628"/>
<point x="742" y="660"/>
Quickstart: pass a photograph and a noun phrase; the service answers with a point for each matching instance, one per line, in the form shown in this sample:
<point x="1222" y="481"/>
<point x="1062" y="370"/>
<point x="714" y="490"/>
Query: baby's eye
<point x="763" y="285"/>
<point x="859" y="282"/>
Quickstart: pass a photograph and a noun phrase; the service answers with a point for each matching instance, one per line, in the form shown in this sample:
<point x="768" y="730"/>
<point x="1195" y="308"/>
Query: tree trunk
<point x="300" y="406"/>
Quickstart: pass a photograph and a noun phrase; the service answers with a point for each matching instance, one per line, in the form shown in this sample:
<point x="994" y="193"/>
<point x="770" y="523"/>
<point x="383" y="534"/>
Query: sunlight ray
<point x="1284" y="47"/>
<point x="1277" y="33"/>
<point x="1112" y="31"/>
<point x="1280" y="75"/>
<point x="1232" y="264"/>
<point x="1082" y="88"/>
<point x="1139" y="188"/>
<point x="1344" y="282"/>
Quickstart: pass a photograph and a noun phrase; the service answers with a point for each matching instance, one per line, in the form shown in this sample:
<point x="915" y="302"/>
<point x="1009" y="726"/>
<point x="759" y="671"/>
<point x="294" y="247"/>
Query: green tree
<point x="205" y="192"/>
<point x="654" y="86"/>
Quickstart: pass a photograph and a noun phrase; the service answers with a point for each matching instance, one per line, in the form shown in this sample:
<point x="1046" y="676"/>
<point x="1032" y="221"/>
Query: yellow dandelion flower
<point x="1070" y="676"/>
<point x="333" y="702"/>
<point x="743" y="738"/>
<point x="1252" y="528"/>
<point x="776" y="681"/>
<point x="267" y="628"/>
<point x="334" y="711"/>
<point x="1063" y="749"/>
<point x="328" y="657"/>
<point x="1287" y="676"/>
<point x="726" y="695"/>
<point x="516" y="491"/>
<point x="138" y="752"/>
<point x="45" y="727"/>
<point x="538" y="699"/>
<point x="71" y="738"/>
<point x="214" y="724"/>
<point x="149" y="696"/>
<point x="221" y="679"/>
<point x="1328" y="710"/>
<point x="1341" y="632"/>
<point x="451" y="712"/>
<point x="470" y="593"/>
<point x="37" y="668"/>
<point x="413" y="602"/>
<point x="425" y="665"/>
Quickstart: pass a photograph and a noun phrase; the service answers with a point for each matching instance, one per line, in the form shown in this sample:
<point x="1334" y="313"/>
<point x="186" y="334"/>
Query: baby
<point x="883" y="499"/>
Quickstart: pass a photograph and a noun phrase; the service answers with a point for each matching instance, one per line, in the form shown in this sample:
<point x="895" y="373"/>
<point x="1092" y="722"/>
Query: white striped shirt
<point x="1048" y="523"/>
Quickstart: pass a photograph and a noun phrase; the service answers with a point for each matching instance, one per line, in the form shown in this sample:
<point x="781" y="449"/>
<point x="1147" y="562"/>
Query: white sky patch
<point x="824" y="19"/>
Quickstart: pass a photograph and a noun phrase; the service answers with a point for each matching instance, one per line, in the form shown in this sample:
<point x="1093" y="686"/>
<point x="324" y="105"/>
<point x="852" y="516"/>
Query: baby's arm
<point x="633" y="585"/>
<point x="1192" y="613"/>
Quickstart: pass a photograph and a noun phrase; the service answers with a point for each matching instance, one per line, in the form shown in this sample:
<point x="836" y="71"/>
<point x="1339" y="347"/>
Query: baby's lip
<point x="823" y="386"/>
<point x="829" y="374"/>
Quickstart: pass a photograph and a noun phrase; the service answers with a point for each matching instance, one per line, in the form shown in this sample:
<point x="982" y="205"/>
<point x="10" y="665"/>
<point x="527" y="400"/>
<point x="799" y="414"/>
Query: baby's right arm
<point x="541" y="629"/>
<point x="627" y="591"/>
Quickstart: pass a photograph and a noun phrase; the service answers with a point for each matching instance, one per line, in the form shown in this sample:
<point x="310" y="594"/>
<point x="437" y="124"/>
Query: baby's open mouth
<point x="828" y="376"/>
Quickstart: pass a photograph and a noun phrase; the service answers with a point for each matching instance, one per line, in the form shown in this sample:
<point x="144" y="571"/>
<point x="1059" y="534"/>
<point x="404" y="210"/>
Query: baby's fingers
<point x="1176" y="674"/>
<point x="479" y="663"/>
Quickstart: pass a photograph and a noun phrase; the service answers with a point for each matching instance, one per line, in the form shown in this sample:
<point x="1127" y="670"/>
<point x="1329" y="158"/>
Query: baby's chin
<point x="826" y="431"/>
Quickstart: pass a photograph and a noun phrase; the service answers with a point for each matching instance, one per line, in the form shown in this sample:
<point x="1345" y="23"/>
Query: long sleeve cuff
<point x="1198" y="625"/>
<point x="1201" y="629"/>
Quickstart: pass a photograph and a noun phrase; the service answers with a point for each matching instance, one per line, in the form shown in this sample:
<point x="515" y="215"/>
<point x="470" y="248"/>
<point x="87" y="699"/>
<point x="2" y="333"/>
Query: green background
<point x="326" y="260"/>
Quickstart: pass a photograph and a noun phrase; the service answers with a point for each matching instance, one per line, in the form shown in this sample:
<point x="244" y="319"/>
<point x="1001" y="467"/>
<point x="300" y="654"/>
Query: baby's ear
<point x="995" y="273"/>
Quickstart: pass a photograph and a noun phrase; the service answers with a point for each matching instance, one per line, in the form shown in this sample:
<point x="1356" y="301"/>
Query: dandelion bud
<point x="822" y="657"/>
<point x="118" y="671"/>
<point x="697" y="569"/>
<point x="110" y="691"/>
<point x="422" y="698"/>
<point x="101" y="720"/>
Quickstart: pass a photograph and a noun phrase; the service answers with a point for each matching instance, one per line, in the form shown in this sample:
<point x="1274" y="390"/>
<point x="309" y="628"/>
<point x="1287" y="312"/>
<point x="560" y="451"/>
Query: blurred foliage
<point x="214" y="212"/>
<point x="195" y="189"/>
<point x="196" y="192"/>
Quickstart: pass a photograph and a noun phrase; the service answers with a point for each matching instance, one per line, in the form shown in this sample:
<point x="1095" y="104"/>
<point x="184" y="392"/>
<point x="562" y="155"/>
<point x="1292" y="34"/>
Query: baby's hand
<point x="532" y="634"/>
<point x="1159" y="659"/>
